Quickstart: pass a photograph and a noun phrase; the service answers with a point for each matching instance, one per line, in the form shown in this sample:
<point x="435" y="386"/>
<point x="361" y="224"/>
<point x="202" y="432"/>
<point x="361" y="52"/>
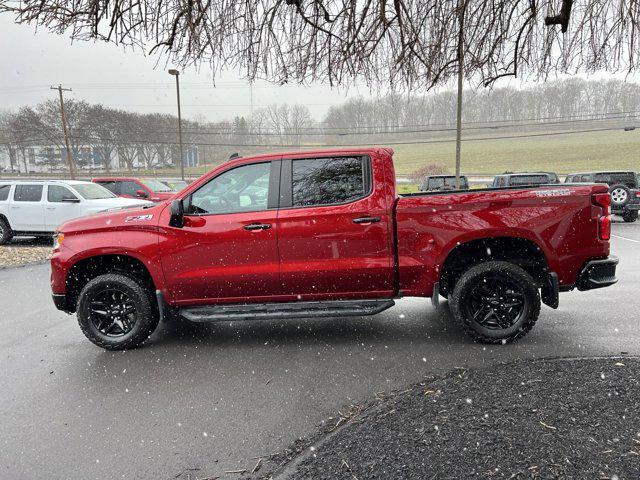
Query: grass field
<point x="615" y="150"/>
<point x="560" y="153"/>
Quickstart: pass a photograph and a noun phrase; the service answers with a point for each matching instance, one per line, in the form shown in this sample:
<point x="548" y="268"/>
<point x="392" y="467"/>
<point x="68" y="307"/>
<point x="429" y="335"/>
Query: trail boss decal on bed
<point x="552" y="193"/>
<point x="138" y="217"/>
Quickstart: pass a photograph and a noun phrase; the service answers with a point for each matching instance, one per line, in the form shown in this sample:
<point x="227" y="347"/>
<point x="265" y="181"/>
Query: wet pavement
<point x="199" y="401"/>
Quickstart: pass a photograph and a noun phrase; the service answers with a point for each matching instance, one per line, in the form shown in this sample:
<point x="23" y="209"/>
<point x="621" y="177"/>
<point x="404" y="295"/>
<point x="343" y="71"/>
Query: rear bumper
<point x="632" y="206"/>
<point x="598" y="274"/>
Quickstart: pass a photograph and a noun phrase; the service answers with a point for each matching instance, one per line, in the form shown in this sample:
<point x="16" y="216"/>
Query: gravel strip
<point x="532" y="419"/>
<point x="17" y="255"/>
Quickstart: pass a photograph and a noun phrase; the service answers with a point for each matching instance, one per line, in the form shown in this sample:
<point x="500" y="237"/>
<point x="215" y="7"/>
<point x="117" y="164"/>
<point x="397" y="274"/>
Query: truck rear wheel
<point x="496" y="302"/>
<point x="117" y="312"/>
<point x="6" y="234"/>
<point x="630" y="216"/>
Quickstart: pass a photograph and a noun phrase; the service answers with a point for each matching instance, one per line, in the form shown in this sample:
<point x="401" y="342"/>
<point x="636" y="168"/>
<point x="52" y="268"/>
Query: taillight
<point x="603" y="200"/>
<point x="638" y="194"/>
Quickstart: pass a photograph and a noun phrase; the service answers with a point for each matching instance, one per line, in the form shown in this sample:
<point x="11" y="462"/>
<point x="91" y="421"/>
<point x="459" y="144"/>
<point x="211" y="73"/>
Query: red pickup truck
<point x="324" y="233"/>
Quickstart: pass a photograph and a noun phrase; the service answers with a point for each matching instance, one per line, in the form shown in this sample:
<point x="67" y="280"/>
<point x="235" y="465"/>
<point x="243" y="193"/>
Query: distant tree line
<point x="574" y="98"/>
<point x="147" y="140"/>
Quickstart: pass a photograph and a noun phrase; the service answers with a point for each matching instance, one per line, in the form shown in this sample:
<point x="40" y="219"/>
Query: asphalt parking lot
<point x="199" y="401"/>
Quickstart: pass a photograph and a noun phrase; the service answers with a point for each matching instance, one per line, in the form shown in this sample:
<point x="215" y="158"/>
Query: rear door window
<point x="329" y="181"/>
<point x="4" y="192"/>
<point x="28" y="193"/>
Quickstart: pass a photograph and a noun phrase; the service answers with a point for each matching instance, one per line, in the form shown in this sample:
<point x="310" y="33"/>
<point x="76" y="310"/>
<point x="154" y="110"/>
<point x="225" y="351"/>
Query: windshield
<point x="92" y="191"/>
<point x="175" y="185"/>
<point x="156" y="185"/>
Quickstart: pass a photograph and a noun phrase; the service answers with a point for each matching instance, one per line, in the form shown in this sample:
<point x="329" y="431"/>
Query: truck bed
<point x="557" y="220"/>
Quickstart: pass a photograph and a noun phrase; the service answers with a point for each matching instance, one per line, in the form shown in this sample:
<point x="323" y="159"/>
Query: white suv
<point x="39" y="207"/>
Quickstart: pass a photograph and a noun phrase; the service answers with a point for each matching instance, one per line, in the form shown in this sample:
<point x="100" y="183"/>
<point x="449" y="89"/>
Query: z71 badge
<point x="138" y="217"/>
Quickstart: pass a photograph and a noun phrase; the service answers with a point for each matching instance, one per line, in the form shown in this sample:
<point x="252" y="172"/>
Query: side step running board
<point x="260" y="311"/>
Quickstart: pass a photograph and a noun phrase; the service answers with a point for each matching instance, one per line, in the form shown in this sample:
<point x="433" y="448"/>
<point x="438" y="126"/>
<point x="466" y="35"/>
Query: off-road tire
<point x="141" y="294"/>
<point x="6" y="234"/>
<point x="471" y="278"/>
<point x="630" y="216"/>
<point x="619" y="205"/>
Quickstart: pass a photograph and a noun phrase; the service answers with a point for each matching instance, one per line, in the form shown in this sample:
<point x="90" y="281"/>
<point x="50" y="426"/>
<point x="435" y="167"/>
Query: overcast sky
<point x="128" y="79"/>
<point x="104" y="73"/>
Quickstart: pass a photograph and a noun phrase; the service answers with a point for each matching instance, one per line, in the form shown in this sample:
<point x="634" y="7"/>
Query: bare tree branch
<point x="405" y="43"/>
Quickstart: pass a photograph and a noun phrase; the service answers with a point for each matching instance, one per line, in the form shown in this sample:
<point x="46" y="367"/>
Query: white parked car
<point x="38" y="207"/>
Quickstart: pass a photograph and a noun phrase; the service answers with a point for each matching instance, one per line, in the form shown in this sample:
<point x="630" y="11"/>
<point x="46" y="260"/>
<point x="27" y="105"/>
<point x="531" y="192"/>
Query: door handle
<point x="257" y="226"/>
<point x="366" y="220"/>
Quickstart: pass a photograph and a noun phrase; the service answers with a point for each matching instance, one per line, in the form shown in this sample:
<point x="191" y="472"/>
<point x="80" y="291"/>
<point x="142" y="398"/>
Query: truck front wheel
<point x="496" y="302"/>
<point x="117" y="312"/>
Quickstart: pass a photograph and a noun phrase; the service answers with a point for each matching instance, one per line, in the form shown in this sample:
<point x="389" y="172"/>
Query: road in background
<point x="200" y="400"/>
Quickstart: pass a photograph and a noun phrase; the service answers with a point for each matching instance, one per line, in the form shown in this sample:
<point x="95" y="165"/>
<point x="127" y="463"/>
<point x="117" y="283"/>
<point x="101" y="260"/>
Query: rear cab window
<point x="28" y="193"/>
<point x="329" y="181"/>
<point x="529" y="179"/>
<point x="626" y="178"/>
<point x="447" y="182"/>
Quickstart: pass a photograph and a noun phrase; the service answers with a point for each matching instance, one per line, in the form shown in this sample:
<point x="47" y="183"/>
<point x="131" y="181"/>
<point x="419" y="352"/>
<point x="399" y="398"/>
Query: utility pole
<point x="176" y="74"/>
<point x="251" y="95"/>
<point x="461" y="9"/>
<point x="70" y="163"/>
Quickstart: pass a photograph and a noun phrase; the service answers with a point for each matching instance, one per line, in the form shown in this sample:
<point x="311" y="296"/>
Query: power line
<point x="339" y="145"/>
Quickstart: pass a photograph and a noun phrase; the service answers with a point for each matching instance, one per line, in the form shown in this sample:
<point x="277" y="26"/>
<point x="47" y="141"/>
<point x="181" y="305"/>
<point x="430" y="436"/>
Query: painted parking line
<point x="625" y="238"/>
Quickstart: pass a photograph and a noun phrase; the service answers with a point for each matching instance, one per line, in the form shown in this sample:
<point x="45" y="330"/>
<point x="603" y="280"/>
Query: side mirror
<point x="71" y="200"/>
<point x="141" y="194"/>
<point x="177" y="214"/>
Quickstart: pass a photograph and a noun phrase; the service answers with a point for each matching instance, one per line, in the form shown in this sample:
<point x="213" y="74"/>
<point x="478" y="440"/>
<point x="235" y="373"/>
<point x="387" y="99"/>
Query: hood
<point x="117" y="202"/>
<point x="130" y="214"/>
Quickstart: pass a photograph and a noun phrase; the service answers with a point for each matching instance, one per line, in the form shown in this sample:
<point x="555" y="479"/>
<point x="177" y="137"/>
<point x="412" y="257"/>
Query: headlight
<point x="58" y="238"/>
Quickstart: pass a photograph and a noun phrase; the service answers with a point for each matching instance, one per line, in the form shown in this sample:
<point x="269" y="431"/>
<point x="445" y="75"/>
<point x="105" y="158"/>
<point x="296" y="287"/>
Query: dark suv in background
<point x="623" y="186"/>
<point x="438" y="183"/>
<point x="510" y="179"/>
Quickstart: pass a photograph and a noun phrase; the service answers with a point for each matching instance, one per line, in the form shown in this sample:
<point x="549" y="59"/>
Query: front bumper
<point x="598" y="274"/>
<point x="60" y="301"/>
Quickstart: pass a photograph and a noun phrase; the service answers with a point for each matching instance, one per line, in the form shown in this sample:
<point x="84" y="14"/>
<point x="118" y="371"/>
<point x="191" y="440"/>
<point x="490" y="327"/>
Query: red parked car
<point x="129" y="187"/>
<point x="324" y="233"/>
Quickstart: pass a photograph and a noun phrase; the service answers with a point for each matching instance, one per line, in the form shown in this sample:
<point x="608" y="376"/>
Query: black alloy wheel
<point x="117" y="311"/>
<point x="495" y="302"/>
<point x="112" y="312"/>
